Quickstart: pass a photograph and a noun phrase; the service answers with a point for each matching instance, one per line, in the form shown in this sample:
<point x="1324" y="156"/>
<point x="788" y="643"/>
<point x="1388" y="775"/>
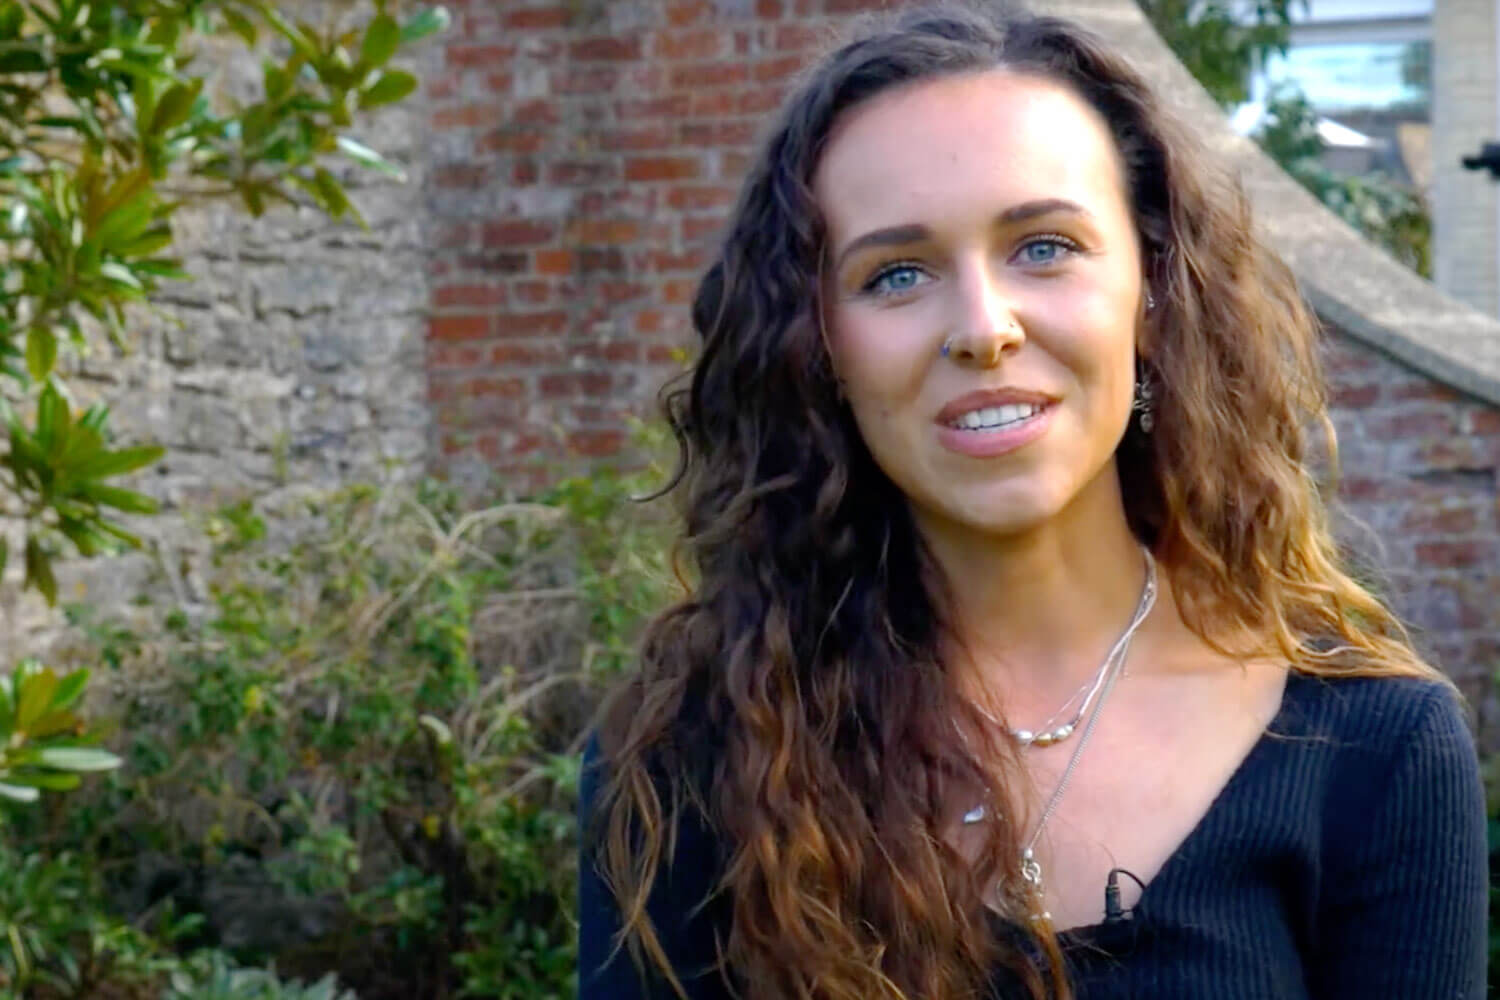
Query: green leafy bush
<point x="361" y="757"/>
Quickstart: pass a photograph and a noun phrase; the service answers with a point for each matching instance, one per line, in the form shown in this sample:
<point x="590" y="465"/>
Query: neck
<point x="1035" y="614"/>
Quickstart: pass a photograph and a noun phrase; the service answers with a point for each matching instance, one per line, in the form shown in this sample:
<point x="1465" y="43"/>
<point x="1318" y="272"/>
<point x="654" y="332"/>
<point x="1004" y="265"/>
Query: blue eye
<point x="1046" y="249"/>
<point x="895" y="280"/>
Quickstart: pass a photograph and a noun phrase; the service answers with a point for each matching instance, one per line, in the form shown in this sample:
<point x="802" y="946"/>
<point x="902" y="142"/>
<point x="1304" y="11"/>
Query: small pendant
<point x="1031" y="869"/>
<point x="974" y="815"/>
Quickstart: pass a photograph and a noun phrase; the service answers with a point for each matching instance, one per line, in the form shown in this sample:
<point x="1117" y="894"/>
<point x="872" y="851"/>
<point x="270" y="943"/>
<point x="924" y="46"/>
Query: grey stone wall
<point x="293" y="359"/>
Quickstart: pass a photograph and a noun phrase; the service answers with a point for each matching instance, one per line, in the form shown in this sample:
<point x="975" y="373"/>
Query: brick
<point x="452" y="235"/>
<point x="756" y="102"/>
<point x="700" y="44"/>
<point x="499" y="83"/>
<point x="1456" y="555"/>
<point x="678" y="292"/>
<point x="462" y="116"/>
<point x="451" y="296"/>
<point x="666" y="106"/>
<point x="613" y="293"/>
<point x="517" y="232"/>
<point x="697" y="229"/>
<point x="1354" y="396"/>
<point x="662" y="168"/>
<point x="596" y="443"/>
<point x="539" y="18"/>
<point x="1484" y="421"/>
<point x="799" y="37"/>
<point x="1425" y="520"/>
<point x="554" y="262"/>
<point x="487" y="385"/>
<point x="615" y="351"/>
<point x="700" y="197"/>
<point x="768" y="10"/>
<point x="666" y="262"/>
<point x="779" y="70"/>
<point x="714" y="104"/>
<point x="665" y="354"/>
<point x="539" y="111"/>
<point x="524" y="172"/>
<point x="611" y="232"/>
<point x="496" y="261"/>
<point x="654" y="136"/>
<point x="460" y="176"/>
<point x="854" y="6"/>
<point x="461" y="55"/>
<point x="533" y="292"/>
<point x="512" y="140"/>
<point x="529" y="324"/>
<point x="606" y="48"/>
<point x="697" y="76"/>
<point x="586" y="80"/>
<point x="527" y="353"/>
<point x="454" y="356"/>
<point x="1424" y="423"/>
<point x="717" y="133"/>
<point x="450" y="328"/>
<point x="683" y="12"/>
<point x="597" y="260"/>
<point x="1422" y="389"/>
<point x="564" y="384"/>
<point x="582" y="173"/>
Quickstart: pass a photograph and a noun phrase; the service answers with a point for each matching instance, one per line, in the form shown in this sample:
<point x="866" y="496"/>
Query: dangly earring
<point x="1145" y="398"/>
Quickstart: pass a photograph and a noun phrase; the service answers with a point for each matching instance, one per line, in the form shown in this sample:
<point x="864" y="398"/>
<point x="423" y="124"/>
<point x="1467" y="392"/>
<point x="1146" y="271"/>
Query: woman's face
<point x="988" y="208"/>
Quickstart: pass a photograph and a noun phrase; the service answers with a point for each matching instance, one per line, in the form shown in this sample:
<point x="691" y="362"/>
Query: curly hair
<point x="795" y="700"/>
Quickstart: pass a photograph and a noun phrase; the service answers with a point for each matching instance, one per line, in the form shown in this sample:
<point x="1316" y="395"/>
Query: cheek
<point x="881" y="364"/>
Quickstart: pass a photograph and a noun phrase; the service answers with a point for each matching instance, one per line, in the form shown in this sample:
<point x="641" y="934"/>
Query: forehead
<point x="950" y="146"/>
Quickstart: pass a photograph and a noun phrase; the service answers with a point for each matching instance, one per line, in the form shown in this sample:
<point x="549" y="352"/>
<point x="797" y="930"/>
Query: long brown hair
<point x="795" y="701"/>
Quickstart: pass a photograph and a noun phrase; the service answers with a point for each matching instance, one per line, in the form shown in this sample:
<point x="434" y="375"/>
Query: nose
<point x="985" y="327"/>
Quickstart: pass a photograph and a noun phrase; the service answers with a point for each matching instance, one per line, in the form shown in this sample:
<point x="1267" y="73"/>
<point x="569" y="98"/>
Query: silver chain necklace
<point x="1114" y="662"/>
<point x="1048" y="737"/>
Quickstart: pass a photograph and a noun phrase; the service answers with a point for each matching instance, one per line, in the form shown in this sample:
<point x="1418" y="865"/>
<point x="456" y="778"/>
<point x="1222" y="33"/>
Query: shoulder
<point x="1375" y="717"/>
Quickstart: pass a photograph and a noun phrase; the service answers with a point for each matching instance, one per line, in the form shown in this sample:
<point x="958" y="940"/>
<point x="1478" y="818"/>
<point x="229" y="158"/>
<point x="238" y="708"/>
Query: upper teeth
<point x="996" y="416"/>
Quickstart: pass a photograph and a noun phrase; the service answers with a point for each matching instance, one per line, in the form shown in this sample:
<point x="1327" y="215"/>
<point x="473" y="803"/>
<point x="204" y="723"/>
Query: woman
<point x="1020" y="661"/>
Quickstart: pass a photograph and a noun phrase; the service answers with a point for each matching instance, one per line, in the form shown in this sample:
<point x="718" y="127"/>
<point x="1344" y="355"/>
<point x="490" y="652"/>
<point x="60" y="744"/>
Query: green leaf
<point x="381" y="39"/>
<point x="427" y="22"/>
<point x="121" y="499"/>
<point x="69" y="689"/>
<point x="133" y="540"/>
<point x="79" y="759"/>
<point x="174" y="107"/>
<point x="36" y="691"/>
<point x="330" y="192"/>
<point x="366" y="156"/>
<point x="120" y="275"/>
<point x="51" y="781"/>
<point x="241" y="25"/>
<point x="39" y="570"/>
<point x="102" y="465"/>
<point x="41" y="351"/>
<point x="19" y="793"/>
<point x="391" y="87"/>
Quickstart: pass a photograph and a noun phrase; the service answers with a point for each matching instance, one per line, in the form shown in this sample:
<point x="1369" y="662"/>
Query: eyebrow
<point x="902" y="235"/>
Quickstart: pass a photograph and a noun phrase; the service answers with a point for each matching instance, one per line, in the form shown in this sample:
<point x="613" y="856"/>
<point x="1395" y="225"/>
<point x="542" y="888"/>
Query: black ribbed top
<point x="1345" y="859"/>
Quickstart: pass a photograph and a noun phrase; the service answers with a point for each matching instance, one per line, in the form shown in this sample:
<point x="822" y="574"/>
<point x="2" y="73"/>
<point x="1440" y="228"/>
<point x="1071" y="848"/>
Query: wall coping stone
<point x="1351" y="283"/>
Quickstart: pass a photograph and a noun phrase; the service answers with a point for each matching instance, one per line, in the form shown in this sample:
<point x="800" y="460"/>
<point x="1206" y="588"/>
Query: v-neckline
<point x="1080" y="933"/>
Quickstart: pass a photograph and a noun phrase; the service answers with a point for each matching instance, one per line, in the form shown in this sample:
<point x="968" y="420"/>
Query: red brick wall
<point x="585" y="157"/>
<point x="1419" y="465"/>
<point x="585" y="154"/>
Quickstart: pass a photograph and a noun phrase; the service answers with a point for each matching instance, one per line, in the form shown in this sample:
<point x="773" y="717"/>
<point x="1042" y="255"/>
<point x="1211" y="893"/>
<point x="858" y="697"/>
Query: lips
<point x="985" y="399"/>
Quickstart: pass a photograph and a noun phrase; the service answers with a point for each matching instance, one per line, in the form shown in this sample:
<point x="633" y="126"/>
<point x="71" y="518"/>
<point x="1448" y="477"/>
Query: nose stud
<point x="1012" y="330"/>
